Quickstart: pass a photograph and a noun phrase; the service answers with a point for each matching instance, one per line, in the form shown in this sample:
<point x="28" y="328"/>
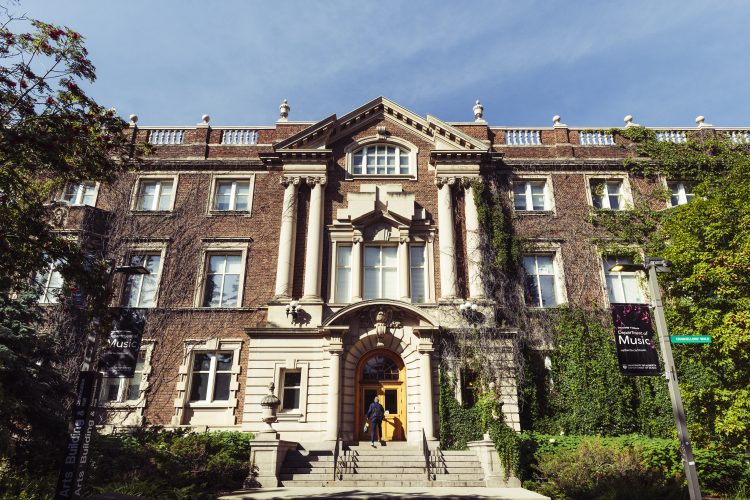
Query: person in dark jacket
<point x="375" y="413"/>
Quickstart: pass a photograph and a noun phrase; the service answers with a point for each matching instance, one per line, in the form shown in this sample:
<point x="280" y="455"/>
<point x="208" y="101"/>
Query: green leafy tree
<point x="51" y="133"/>
<point x="708" y="289"/>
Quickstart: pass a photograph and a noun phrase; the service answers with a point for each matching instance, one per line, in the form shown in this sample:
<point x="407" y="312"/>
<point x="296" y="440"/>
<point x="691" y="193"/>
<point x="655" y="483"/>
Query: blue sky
<point x="664" y="62"/>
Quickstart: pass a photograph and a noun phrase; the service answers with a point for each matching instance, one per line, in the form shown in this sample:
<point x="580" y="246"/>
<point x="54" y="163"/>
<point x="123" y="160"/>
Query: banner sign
<point x="75" y="464"/>
<point x="120" y="352"/>
<point x="636" y="353"/>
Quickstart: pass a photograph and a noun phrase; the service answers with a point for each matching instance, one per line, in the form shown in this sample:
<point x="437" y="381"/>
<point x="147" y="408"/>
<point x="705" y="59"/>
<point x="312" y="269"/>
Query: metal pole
<point x="674" y="388"/>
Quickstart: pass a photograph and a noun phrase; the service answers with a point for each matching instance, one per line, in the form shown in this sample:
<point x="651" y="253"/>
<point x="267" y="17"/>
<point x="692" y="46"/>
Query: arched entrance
<point x="381" y="373"/>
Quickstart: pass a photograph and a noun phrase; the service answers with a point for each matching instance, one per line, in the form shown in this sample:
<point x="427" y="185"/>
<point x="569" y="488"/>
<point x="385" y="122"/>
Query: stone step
<point x="357" y="483"/>
<point x="391" y="459"/>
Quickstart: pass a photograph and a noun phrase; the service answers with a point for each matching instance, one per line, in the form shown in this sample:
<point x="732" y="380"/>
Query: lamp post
<point x="73" y="471"/>
<point x="652" y="266"/>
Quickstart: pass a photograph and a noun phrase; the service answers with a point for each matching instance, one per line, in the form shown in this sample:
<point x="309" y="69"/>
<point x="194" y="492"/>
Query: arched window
<point x="379" y="368"/>
<point x="381" y="159"/>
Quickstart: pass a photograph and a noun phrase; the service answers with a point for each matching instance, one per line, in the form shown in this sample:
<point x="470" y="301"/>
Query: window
<point x="530" y="195"/>
<point x="622" y="287"/>
<point x="607" y="194"/>
<point x="77" y="194"/>
<point x="379" y="368"/>
<point x="122" y="389"/>
<point x="223" y="275"/>
<point x="50" y="284"/>
<point x="381" y="272"/>
<point x="343" y="274"/>
<point x="682" y="192"/>
<point x="381" y="159"/>
<point x="418" y="274"/>
<point x="211" y="376"/>
<point x="290" y="392"/>
<point x="155" y="194"/>
<point x="140" y="289"/>
<point x="232" y="195"/>
<point x="541" y="289"/>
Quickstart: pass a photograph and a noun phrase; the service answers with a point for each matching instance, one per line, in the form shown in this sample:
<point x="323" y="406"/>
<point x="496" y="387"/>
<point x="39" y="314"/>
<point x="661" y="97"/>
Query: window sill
<point x="534" y="212"/>
<point x="289" y="417"/>
<point x="121" y="405"/>
<point x="215" y="405"/>
<point x="151" y="212"/>
<point x="408" y="177"/>
<point x="225" y="213"/>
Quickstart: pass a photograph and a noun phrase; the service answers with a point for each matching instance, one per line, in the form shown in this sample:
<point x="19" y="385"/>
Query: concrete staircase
<point x="396" y="464"/>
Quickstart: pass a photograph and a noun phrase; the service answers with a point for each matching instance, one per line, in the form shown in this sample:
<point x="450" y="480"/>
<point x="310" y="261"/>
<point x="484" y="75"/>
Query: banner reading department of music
<point x="634" y="334"/>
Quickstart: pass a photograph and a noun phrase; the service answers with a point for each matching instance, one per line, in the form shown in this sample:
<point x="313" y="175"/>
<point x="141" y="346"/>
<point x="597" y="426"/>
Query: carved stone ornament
<point x="288" y="179"/>
<point x="445" y="181"/>
<point x="270" y="403"/>
<point x="59" y="216"/>
<point x="382" y="320"/>
<point x="311" y="181"/>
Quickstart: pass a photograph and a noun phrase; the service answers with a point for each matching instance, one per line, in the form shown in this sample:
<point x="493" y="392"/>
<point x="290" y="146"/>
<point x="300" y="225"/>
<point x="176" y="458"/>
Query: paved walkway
<point x="386" y="492"/>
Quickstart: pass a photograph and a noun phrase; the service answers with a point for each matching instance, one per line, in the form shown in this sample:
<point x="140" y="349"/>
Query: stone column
<point x="404" y="270"/>
<point x="425" y="376"/>
<point x="334" y="391"/>
<point x="286" y="237"/>
<point x="356" y="268"/>
<point x="314" y="251"/>
<point x="447" y="238"/>
<point x="473" y="249"/>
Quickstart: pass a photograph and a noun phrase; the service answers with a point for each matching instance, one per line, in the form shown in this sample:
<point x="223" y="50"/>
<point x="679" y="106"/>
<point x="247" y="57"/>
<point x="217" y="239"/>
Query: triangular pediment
<point x="375" y="201"/>
<point x="325" y="132"/>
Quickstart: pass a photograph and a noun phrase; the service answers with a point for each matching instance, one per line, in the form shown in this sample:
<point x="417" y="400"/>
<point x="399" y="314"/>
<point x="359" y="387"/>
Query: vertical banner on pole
<point x="78" y="446"/>
<point x="636" y="353"/>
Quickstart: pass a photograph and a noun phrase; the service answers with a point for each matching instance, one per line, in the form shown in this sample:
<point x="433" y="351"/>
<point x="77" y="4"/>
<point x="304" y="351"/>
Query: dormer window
<point x="381" y="159"/>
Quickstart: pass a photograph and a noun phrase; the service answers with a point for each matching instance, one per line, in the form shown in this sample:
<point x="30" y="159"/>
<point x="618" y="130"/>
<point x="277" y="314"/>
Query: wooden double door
<point x="381" y="374"/>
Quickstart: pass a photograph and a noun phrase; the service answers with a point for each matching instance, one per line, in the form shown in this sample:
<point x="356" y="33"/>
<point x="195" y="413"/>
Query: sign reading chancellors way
<point x="120" y="352"/>
<point x="636" y="353"/>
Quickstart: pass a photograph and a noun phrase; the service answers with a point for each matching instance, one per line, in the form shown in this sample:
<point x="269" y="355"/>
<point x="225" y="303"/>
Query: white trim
<point x="79" y="194"/>
<point x="549" y="197"/>
<point x="229" y="176"/>
<point x="145" y="248"/>
<point x="182" y="387"/>
<point x="280" y="368"/>
<point x="603" y="274"/>
<point x="135" y="196"/>
<point x="627" y="193"/>
<point x="376" y="140"/>
<point x="555" y="250"/>
<point x="227" y="247"/>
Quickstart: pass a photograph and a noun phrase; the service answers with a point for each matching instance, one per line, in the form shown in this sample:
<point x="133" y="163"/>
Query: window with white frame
<point x="124" y="389"/>
<point x="343" y="293"/>
<point x="418" y="273"/>
<point x="81" y="193"/>
<point x="49" y="283"/>
<point x="381" y="272"/>
<point x="211" y="376"/>
<point x="140" y="289"/>
<point x="232" y="195"/>
<point x="155" y="194"/>
<point x="291" y="389"/>
<point x="381" y="159"/>
<point x="682" y="192"/>
<point x="530" y="195"/>
<point x="541" y="285"/>
<point x="222" y="280"/>
<point x="624" y="286"/>
<point x="607" y="194"/>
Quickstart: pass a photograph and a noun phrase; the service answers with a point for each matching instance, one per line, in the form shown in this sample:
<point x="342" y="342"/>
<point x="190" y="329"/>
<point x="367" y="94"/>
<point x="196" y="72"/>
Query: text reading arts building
<point x="342" y="259"/>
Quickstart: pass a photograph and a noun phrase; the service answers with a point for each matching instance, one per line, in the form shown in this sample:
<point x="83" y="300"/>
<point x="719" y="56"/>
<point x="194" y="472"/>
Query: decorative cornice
<point x="451" y="157"/>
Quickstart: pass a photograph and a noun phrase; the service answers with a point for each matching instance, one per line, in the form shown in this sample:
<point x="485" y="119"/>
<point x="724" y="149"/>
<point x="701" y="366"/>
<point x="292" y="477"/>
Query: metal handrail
<point x="336" y="455"/>
<point x="426" y="452"/>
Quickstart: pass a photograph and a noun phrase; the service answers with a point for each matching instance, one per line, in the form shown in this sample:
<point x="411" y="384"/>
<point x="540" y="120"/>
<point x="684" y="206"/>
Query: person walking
<point x="375" y="414"/>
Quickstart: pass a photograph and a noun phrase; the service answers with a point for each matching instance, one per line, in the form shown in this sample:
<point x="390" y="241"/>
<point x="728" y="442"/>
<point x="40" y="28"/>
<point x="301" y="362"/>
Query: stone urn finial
<point x="270" y="404"/>
<point x="478" y="111"/>
<point x="284" y="110"/>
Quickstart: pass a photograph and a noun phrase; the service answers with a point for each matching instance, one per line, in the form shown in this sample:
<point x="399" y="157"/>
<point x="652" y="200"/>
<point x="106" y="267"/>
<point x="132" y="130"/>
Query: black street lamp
<point x="651" y="266"/>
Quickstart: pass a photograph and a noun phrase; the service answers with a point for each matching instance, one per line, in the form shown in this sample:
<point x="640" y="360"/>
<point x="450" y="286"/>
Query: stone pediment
<point x="442" y="135"/>
<point x="374" y="201"/>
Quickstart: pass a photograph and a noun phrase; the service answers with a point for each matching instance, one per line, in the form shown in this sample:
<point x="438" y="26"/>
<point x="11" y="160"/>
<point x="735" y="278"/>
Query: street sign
<point x="690" y="339"/>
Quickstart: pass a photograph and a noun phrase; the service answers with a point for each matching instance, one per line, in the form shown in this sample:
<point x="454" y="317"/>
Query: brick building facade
<point x="330" y="257"/>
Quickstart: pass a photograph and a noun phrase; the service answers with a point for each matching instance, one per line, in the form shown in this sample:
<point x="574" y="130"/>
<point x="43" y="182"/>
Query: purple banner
<point x="636" y="353"/>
